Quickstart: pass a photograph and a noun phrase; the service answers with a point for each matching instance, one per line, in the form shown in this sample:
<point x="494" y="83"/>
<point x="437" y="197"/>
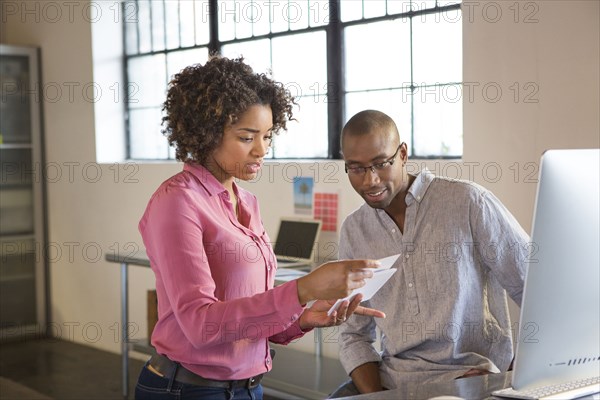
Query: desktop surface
<point x="476" y="387"/>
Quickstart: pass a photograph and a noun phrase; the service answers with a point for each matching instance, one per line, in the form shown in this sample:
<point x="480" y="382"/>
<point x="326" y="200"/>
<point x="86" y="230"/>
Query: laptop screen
<point x="296" y="239"/>
<point x="560" y="312"/>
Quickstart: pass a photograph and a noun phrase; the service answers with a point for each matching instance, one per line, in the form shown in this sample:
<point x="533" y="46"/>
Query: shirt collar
<point x="211" y="184"/>
<point x="417" y="190"/>
<point x="205" y="178"/>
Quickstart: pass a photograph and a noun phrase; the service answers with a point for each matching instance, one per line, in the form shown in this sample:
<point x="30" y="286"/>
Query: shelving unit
<point x="23" y="305"/>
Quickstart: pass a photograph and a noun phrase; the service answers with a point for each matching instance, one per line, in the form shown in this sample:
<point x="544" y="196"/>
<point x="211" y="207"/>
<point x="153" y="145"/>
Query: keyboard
<point x="563" y="391"/>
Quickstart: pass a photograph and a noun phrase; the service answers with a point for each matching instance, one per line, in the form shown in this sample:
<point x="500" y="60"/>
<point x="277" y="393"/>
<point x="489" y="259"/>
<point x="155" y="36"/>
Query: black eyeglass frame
<point x="358" y="171"/>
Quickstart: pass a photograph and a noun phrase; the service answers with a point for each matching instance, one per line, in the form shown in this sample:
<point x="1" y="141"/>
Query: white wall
<point x="552" y="54"/>
<point x="558" y="54"/>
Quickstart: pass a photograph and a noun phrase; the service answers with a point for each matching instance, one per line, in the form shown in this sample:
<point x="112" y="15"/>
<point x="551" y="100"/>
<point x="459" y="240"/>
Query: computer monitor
<point x="559" y="338"/>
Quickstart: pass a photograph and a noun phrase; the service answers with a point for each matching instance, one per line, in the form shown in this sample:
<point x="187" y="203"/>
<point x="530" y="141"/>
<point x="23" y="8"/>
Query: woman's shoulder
<point x="180" y="187"/>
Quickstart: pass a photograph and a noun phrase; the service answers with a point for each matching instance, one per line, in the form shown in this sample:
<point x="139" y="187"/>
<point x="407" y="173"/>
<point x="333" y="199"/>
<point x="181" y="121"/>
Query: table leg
<point x="124" y="331"/>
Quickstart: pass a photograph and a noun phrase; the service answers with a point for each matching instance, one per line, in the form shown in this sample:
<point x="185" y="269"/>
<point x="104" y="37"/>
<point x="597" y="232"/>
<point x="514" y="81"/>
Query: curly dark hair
<point x="203" y="99"/>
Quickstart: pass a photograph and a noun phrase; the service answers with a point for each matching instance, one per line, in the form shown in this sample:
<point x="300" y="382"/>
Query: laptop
<point x="296" y="242"/>
<point x="558" y="350"/>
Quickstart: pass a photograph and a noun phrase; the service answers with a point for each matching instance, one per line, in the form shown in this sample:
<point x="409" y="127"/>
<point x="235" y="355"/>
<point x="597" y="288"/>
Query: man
<point x="460" y="251"/>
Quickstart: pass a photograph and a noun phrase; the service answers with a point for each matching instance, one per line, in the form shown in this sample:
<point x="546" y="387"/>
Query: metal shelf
<point x="23" y="298"/>
<point x="15" y="278"/>
<point x="15" y="146"/>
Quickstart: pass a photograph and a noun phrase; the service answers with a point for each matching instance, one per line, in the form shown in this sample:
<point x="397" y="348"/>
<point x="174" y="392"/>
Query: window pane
<point x="158" y="25"/>
<point x="186" y="19"/>
<point x="307" y="137"/>
<point x="146" y="140"/>
<point x="351" y="10"/>
<point x="438" y="121"/>
<point x="131" y="19"/>
<point x="178" y="60"/>
<point x="147" y="78"/>
<point x="437" y="41"/>
<point x="144" y="26"/>
<point x="228" y="18"/>
<point x="442" y="3"/>
<point x="378" y="55"/>
<point x="245" y="11"/>
<point x="297" y="12"/>
<point x="422" y="4"/>
<point x="318" y="13"/>
<point x="259" y="15"/>
<point x="400" y="6"/>
<point x="374" y="8"/>
<point x="171" y="152"/>
<point x="172" y="28"/>
<point x="278" y="17"/>
<point x="300" y="62"/>
<point x="202" y="27"/>
<point x="395" y="103"/>
<point x="257" y="53"/>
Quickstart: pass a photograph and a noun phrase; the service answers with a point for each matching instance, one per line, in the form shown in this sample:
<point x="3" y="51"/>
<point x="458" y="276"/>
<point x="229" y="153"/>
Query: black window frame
<point x="336" y="92"/>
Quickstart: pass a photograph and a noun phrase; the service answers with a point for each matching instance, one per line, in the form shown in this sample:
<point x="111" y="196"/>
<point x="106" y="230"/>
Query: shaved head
<point x="368" y="121"/>
<point x="375" y="160"/>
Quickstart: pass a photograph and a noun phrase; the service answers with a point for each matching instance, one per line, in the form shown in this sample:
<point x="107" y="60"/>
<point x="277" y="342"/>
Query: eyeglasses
<point x="375" y="168"/>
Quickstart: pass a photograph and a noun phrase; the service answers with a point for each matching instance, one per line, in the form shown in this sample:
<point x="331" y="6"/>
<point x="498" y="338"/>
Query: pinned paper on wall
<point x="303" y="195"/>
<point x="326" y="210"/>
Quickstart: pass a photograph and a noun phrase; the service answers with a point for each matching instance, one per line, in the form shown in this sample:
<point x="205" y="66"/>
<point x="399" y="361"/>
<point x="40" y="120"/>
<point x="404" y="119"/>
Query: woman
<point x="212" y="258"/>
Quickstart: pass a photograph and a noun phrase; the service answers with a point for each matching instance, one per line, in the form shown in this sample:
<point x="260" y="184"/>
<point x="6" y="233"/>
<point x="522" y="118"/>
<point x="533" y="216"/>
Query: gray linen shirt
<point x="446" y="306"/>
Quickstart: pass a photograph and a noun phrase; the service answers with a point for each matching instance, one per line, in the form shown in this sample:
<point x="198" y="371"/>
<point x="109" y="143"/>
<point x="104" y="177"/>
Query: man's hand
<point x="474" y="372"/>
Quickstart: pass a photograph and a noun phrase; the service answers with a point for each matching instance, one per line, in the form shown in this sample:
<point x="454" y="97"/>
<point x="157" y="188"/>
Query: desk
<point x="125" y="262"/>
<point x="476" y="387"/>
<point x="311" y="375"/>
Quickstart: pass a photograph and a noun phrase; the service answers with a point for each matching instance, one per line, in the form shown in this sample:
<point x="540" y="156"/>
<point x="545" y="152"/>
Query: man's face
<point x="386" y="177"/>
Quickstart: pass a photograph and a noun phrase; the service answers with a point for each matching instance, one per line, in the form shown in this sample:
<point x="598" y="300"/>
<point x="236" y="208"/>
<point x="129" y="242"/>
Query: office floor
<point x="64" y="370"/>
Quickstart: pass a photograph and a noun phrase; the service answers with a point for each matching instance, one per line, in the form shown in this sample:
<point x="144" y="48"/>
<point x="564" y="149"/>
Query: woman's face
<point x="245" y="143"/>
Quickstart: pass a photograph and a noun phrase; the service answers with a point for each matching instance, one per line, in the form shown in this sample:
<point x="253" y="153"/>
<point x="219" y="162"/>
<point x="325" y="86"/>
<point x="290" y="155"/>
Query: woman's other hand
<point x="316" y="316"/>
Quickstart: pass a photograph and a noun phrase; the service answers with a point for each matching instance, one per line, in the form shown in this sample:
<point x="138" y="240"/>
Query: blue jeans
<point x="153" y="387"/>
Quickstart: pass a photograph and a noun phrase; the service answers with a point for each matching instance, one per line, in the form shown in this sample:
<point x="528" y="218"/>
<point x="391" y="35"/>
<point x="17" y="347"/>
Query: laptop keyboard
<point x="563" y="391"/>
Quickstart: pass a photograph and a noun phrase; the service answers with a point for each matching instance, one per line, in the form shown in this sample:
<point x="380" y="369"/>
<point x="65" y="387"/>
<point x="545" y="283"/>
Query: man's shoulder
<point x="358" y="220"/>
<point x="362" y="213"/>
<point x="458" y="187"/>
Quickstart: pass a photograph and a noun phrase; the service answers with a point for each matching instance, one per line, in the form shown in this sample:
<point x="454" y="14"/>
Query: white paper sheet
<point x="380" y="276"/>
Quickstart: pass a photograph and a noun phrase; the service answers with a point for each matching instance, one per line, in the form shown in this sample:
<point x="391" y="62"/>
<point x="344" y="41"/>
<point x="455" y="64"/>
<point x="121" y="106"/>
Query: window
<point x="336" y="56"/>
